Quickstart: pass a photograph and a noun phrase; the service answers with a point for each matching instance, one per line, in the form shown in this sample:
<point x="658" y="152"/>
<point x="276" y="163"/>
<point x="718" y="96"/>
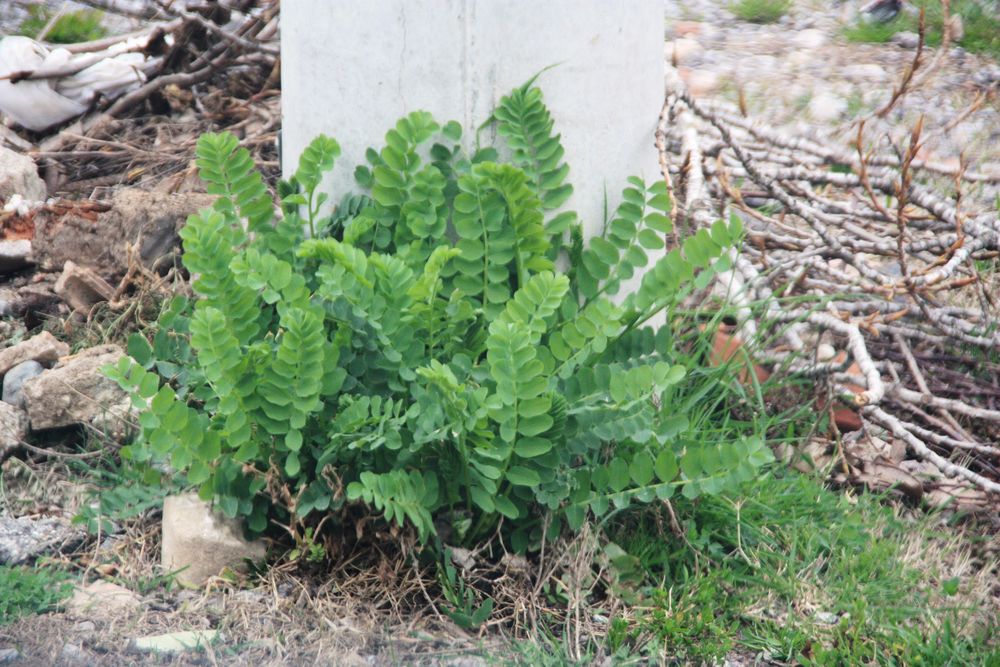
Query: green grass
<point x="761" y="11"/>
<point x="982" y="29"/>
<point x="72" y="27"/>
<point x="26" y="590"/>
<point x="802" y="573"/>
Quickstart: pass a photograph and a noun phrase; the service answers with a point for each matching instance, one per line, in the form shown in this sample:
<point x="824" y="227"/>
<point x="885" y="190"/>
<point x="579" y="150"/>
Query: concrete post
<point x="351" y="68"/>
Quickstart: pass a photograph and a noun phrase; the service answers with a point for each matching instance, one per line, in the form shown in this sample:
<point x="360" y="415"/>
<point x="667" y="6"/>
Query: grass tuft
<point x="25" y="591"/>
<point x="70" y="28"/>
<point x="981" y="26"/>
<point x="761" y="11"/>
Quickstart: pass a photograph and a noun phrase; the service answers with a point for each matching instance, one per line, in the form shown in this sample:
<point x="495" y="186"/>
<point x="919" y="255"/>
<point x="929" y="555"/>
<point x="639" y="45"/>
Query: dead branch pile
<point x="217" y="67"/>
<point x="877" y="253"/>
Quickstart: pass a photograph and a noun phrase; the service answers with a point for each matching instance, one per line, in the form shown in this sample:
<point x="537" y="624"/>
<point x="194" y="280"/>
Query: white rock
<point x="686" y="49"/>
<point x="810" y="38"/>
<point x="175" y="642"/>
<point x="19" y="176"/>
<point x="701" y="82"/>
<point x="15" y="378"/>
<point x="201" y="542"/>
<point x="102" y="599"/>
<point x="826" y="107"/>
<point x="869" y="71"/>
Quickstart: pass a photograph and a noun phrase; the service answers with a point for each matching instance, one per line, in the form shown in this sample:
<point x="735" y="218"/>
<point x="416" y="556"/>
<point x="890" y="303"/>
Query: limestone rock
<point x="14" y="255"/>
<point x="81" y="288"/>
<point x="101" y="599"/>
<point x="19" y="176"/>
<point x="14" y="379"/>
<point x="201" y="542"/>
<point x="43" y="348"/>
<point x="24" y="538"/>
<point x="77" y="392"/>
<point x="13" y="427"/>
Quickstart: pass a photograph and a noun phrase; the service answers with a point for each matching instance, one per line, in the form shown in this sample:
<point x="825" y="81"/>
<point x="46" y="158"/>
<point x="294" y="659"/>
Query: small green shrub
<point x="423" y="355"/>
<point x="25" y="591"/>
<point x="80" y="26"/>
<point x="761" y="11"/>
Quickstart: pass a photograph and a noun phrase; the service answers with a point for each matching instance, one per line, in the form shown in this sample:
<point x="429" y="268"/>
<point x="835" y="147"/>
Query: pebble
<point x="686" y="50"/>
<point x="8" y="655"/>
<point x="905" y="39"/>
<point x="810" y="38"/>
<point x="73" y="653"/>
<point x="826" y="107"/>
<point x="864" y="71"/>
<point x="14" y="255"/>
<point x="702" y="82"/>
<point x="15" y="378"/>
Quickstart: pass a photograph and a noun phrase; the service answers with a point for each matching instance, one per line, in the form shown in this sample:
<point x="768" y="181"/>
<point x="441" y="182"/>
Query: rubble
<point x="14" y="255"/>
<point x="18" y="176"/>
<point x="100" y="235"/>
<point x="14" y="379"/>
<point x="43" y="348"/>
<point x="13" y="427"/>
<point x="24" y="538"/>
<point x="81" y="288"/>
<point x="77" y="392"/>
<point x="199" y="543"/>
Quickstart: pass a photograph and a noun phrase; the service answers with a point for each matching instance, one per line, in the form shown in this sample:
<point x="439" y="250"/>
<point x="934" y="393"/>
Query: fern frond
<point x="228" y="170"/>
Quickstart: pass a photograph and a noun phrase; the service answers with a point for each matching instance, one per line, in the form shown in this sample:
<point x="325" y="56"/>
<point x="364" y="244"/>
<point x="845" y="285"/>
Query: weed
<point x="800" y="572"/>
<point x="761" y="11"/>
<point x="25" y="590"/>
<point x="72" y="27"/>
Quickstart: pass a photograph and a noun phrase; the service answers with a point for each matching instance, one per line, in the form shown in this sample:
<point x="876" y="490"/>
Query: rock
<point x="701" y="82"/>
<point x="7" y="300"/>
<point x="868" y="71"/>
<point x="85" y="626"/>
<point x="201" y="542"/>
<point x="43" y="348"/>
<point x="13" y="427"/>
<point x="14" y="255"/>
<point x="9" y="655"/>
<point x="19" y="176"/>
<point x="15" y="378"/>
<point x="810" y="38"/>
<point x="99" y="237"/>
<point x="81" y="288"/>
<point x="957" y="27"/>
<point x="102" y="599"/>
<point x="74" y="653"/>
<point x="77" y="392"/>
<point x="175" y="642"/>
<point x="688" y="28"/>
<point x="686" y="51"/>
<point x="24" y="538"/>
<point x="905" y="39"/>
<point x="826" y="107"/>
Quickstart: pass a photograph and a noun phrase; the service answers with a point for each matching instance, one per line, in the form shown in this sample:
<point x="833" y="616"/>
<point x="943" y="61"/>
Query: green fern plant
<point x="421" y="354"/>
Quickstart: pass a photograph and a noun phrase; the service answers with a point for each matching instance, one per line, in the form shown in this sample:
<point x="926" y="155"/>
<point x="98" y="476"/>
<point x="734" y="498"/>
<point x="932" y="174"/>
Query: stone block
<point x="81" y="288"/>
<point x="201" y="542"/>
<point x="77" y="392"/>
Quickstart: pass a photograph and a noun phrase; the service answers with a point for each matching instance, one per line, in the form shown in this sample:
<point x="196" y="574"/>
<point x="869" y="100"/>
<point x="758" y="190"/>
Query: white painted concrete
<point x="351" y="68"/>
